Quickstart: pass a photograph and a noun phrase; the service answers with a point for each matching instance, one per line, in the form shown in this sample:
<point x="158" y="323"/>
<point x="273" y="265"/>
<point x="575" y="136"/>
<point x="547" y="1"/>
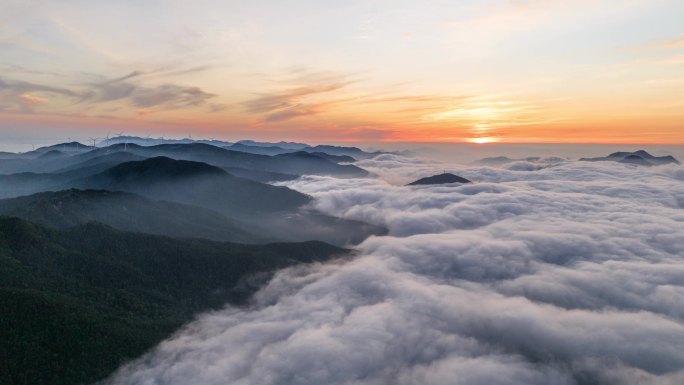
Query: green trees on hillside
<point x="79" y="303"/>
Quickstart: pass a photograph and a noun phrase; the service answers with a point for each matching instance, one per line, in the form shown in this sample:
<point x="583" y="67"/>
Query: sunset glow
<point x="459" y="71"/>
<point x="482" y="140"/>
<point x="358" y="192"/>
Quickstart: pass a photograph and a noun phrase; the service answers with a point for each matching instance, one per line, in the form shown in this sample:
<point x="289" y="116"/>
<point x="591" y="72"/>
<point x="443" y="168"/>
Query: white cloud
<point x="570" y="274"/>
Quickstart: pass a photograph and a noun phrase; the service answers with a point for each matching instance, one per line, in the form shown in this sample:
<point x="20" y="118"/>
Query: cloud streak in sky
<point x="165" y="96"/>
<point x="19" y="96"/>
<point x="22" y="96"/>
<point x="566" y="274"/>
<point x="296" y="101"/>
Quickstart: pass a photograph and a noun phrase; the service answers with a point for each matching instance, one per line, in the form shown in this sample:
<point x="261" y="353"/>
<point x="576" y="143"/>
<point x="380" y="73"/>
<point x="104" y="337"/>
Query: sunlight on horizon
<point x="547" y="72"/>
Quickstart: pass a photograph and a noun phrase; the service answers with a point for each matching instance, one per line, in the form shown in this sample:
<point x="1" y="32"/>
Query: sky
<point x="511" y="71"/>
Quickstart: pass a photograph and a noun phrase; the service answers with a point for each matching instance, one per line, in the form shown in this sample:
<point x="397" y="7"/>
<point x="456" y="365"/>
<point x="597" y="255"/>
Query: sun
<point x="482" y="140"/>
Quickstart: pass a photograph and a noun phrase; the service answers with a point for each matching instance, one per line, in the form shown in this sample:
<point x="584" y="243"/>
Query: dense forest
<point x="87" y="299"/>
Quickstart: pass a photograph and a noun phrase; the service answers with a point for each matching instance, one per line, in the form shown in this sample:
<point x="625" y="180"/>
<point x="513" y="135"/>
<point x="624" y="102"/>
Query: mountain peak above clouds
<point x="640" y="158"/>
<point x="444" y="178"/>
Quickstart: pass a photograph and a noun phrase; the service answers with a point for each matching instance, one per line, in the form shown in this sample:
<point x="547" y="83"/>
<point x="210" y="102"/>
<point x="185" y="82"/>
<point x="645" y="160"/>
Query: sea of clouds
<point x="548" y="272"/>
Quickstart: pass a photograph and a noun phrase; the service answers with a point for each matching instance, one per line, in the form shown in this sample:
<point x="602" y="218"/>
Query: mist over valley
<point x="193" y="262"/>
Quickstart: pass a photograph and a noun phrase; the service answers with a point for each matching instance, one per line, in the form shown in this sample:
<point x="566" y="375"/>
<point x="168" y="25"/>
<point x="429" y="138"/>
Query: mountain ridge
<point x="127" y="212"/>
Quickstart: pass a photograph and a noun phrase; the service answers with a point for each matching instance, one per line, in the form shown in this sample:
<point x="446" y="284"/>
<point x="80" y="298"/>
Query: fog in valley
<point x="550" y="271"/>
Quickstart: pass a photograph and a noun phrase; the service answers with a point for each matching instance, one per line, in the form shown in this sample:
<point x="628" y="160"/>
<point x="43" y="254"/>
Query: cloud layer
<point x="565" y="273"/>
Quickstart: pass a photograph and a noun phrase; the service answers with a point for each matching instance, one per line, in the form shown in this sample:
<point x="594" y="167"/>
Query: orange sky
<point x="368" y="71"/>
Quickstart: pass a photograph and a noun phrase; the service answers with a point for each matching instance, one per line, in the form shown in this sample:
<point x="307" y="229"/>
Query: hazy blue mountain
<point x="500" y="160"/>
<point x="654" y="159"/>
<point x="494" y="161"/>
<point x="78" y="303"/>
<point x="260" y="176"/>
<point x="200" y="152"/>
<point x="101" y="162"/>
<point x="44" y="162"/>
<point x="159" y="167"/>
<point x="635" y="159"/>
<point x="126" y="211"/>
<point x="286" y="145"/>
<point x="439" y="179"/>
<point x="354" y="152"/>
<point x="641" y="158"/>
<point x="195" y="183"/>
<point x="334" y="158"/>
<point x="156" y="141"/>
<point x="237" y="194"/>
<point x="99" y="157"/>
<point x="70" y="148"/>
<point x="319" y="164"/>
<point x="314" y="155"/>
<point x="14" y="185"/>
<point x="275" y="150"/>
<point x="222" y="157"/>
<point x="24" y="183"/>
<point x="52" y="154"/>
<point x="43" y="159"/>
<point x="259" y="208"/>
<point x="262" y="150"/>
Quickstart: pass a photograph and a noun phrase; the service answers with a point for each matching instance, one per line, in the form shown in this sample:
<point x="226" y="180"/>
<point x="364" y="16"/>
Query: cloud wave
<point x="567" y="274"/>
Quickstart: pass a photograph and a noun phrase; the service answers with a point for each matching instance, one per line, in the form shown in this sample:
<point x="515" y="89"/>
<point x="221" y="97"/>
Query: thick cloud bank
<point x="556" y="272"/>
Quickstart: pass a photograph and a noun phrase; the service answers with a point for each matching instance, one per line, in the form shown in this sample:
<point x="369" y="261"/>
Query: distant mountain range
<point x="341" y="156"/>
<point x="228" y="192"/>
<point x="641" y="158"/>
<point x="500" y="160"/>
<point x="296" y="163"/>
<point x="65" y="148"/>
<point x="249" y="146"/>
<point x="105" y="251"/>
<point x="286" y="145"/>
<point x="105" y="142"/>
<point x="194" y="183"/>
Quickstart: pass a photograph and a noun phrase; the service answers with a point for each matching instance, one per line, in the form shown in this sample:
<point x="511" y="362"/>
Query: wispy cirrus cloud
<point x="128" y="91"/>
<point x="303" y="92"/>
<point x="299" y="100"/>
<point x="22" y="96"/>
<point x="164" y="96"/>
<point x="18" y="87"/>
<point x="169" y="96"/>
